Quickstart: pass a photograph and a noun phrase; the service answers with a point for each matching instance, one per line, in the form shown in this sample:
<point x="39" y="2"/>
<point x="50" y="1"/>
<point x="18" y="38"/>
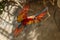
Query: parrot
<point x="24" y="20"/>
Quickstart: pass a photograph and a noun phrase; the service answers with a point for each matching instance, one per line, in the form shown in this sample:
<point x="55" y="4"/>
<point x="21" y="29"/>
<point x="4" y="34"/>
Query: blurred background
<point x="48" y="30"/>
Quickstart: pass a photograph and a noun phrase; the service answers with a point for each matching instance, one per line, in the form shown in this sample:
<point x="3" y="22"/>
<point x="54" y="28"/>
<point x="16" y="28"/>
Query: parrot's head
<point x="21" y="18"/>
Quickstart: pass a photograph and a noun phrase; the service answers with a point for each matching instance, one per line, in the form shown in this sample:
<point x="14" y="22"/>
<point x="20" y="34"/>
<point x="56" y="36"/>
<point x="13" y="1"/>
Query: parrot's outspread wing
<point x="39" y="15"/>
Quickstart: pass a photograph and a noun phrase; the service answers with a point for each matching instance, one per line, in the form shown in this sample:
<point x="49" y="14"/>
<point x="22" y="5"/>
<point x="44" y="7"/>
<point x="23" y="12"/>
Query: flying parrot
<point x="24" y="20"/>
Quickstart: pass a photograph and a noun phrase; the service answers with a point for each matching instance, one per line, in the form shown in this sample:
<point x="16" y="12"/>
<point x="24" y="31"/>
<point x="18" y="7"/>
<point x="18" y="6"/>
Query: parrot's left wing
<point x="39" y="15"/>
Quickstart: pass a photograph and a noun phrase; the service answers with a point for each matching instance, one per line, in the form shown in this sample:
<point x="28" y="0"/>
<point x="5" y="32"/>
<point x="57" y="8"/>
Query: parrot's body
<point x="25" y="20"/>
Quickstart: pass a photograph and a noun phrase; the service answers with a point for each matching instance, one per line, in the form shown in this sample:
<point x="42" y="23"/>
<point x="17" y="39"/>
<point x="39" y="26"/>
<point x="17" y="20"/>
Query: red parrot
<point x="25" y="20"/>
